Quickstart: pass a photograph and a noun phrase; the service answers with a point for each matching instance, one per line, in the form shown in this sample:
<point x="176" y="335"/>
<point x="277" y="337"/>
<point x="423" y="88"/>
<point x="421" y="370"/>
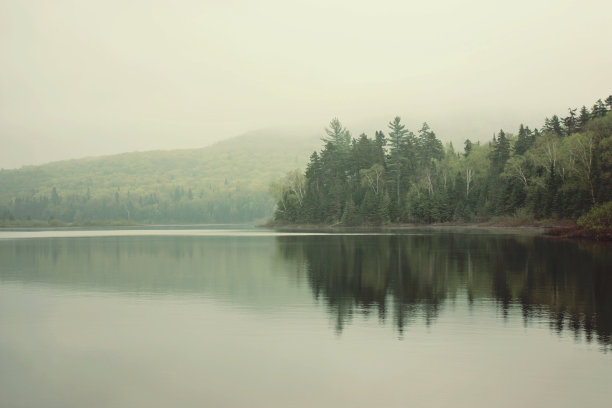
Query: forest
<point x="561" y="171"/>
<point x="223" y="183"/>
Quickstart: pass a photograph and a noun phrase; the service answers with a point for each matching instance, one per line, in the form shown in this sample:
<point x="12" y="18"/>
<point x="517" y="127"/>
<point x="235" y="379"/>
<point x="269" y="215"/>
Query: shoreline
<point x="61" y="224"/>
<point x="553" y="229"/>
<point x="540" y="226"/>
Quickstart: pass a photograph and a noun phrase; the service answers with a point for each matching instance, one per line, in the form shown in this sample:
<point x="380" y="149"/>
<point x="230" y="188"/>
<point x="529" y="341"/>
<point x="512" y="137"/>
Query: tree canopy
<point x="561" y="171"/>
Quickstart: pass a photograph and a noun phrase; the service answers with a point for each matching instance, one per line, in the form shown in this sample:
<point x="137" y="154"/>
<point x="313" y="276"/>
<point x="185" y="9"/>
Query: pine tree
<point x="570" y="121"/>
<point x="337" y="134"/>
<point x="556" y="125"/>
<point x="583" y="118"/>
<point x="553" y="125"/>
<point x="398" y="139"/>
<point x="599" y="110"/>
<point x="501" y="152"/>
<point x="397" y="135"/>
<point x="523" y="141"/>
<point x="429" y="147"/>
<point x="468" y="147"/>
<point x="547" y="125"/>
<point x="381" y="142"/>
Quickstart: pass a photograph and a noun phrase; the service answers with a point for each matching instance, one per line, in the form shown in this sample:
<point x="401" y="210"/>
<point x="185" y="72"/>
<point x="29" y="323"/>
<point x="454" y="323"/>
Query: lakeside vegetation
<point x="561" y="171"/>
<point x="222" y="183"/>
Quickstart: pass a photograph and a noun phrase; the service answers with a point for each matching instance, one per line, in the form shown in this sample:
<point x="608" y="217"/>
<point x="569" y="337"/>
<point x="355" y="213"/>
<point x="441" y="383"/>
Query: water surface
<point x="249" y="317"/>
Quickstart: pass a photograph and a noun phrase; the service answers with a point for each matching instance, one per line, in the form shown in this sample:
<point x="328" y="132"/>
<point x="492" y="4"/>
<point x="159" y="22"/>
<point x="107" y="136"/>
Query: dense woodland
<point x="223" y="183"/>
<point x="562" y="170"/>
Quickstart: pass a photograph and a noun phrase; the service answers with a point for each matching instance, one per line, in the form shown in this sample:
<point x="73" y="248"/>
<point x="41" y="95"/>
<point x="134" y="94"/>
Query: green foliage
<point x="501" y="152"/>
<point x="560" y="172"/>
<point x="222" y="183"/>
<point x="468" y="147"/>
<point x="599" y="219"/>
<point x="524" y="141"/>
<point x="337" y="134"/>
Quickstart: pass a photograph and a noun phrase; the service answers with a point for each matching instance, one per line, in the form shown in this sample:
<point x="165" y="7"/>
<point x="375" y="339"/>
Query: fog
<point x="82" y="78"/>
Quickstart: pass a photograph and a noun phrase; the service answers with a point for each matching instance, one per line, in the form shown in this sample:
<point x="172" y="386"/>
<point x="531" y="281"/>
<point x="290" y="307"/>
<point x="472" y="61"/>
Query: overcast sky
<point x="81" y="78"/>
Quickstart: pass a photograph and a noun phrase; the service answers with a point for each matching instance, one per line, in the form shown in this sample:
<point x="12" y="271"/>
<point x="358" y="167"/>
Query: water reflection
<point x="228" y="320"/>
<point x="412" y="277"/>
<point x="237" y="269"/>
<point x="399" y="279"/>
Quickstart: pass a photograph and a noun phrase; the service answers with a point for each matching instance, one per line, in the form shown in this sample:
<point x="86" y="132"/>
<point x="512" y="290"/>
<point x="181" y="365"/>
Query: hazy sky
<point x="81" y="78"/>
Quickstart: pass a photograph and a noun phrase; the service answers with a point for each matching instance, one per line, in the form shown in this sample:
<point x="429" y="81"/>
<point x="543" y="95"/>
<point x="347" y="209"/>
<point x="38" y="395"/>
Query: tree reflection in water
<point x="415" y="275"/>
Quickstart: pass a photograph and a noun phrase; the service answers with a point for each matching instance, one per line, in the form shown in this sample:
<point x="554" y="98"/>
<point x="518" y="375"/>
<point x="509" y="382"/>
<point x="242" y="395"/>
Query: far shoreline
<point x="554" y="229"/>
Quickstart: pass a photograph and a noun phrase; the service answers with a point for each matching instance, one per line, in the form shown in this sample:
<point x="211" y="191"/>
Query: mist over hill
<point x="224" y="182"/>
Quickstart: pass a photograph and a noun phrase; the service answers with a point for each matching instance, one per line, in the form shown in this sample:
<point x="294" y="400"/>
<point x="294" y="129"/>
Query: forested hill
<point x="562" y="170"/>
<point x="225" y="182"/>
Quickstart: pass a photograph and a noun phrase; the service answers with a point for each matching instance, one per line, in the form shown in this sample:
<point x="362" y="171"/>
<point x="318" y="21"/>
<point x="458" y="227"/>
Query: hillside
<point x="225" y="182"/>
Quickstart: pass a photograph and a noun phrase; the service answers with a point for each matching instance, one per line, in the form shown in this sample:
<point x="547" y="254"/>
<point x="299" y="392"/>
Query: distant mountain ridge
<point x="224" y="182"/>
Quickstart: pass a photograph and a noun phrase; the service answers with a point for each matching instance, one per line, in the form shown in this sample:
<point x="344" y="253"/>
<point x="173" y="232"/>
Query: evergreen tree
<point x="355" y="182"/>
<point x="547" y="125"/>
<point x="583" y="118"/>
<point x="381" y="142"/>
<point x="556" y="125"/>
<point x="397" y="135"/>
<point x="428" y="146"/>
<point x="314" y="183"/>
<point x="500" y="152"/>
<point x="523" y="141"/>
<point x="570" y="121"/>
<point x="468" y="147"/>
<point x="599" y="109"/>
<point x="553" y="125"/>
<point x="400" y="144"/>
<point x="337" y="135"/>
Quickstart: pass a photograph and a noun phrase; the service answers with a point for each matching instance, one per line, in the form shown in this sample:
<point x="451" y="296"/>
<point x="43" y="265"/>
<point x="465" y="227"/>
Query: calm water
<point x="237" y="318"/>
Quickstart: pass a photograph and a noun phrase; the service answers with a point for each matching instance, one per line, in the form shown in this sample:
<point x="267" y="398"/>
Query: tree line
<point x="177" y="205"/>
<point x="562" y="170"/>
<point x="223" y="183"/>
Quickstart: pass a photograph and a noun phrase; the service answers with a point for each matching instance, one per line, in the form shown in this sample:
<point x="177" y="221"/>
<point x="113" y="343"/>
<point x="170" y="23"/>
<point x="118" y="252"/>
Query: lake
<point x="226" y="317"/>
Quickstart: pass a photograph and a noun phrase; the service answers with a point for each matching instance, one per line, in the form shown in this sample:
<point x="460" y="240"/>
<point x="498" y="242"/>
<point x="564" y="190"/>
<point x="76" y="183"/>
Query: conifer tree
<point x="501" y="152"/>
<point x="468" y="147"/>
<point x="399" y="144"/>
<point x="337" y="134"/>
<point x="583" y="118"/>
<point x="570" y="121"/>
<point x="599" y="109"/>
<point x="523" y="141"/>
<point x="429" y="147"/>
<point x="556" y="127"/>
<point x="547" y="174"/>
